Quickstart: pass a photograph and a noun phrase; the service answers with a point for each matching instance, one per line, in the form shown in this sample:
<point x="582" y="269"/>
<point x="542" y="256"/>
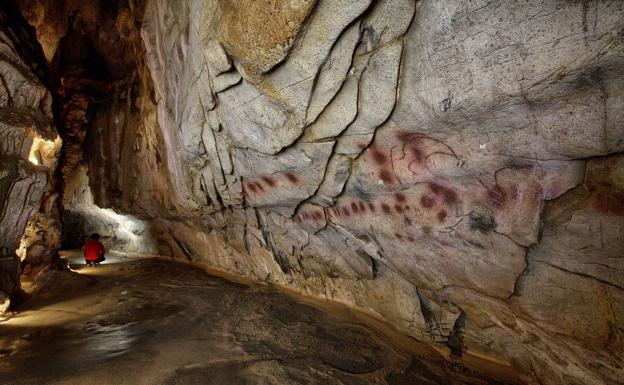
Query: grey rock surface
<point x="405" y="158"/>
<point x="453" y="167"/>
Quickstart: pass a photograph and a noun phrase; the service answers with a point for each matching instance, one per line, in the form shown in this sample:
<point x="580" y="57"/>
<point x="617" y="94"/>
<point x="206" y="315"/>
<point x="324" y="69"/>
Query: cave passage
<point x="147" y="321"/>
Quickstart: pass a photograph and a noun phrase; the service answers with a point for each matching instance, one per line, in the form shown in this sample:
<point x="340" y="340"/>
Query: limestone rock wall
<point x="94" y="53"/>
<point x="28" y="147"/>
<point x="454" y="167"/>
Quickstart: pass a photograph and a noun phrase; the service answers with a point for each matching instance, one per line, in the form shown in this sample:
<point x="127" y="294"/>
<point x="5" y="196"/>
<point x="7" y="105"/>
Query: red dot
<point x="269" y="181"/>
<point x="378" y="156"/>
<point x="608" y="201"/>
<point x="449" y="196"/>
<point x="385" y="176"/>
<point x="292" y="178"/>
<point x="427" y="201"/>
<point x="435" y="188"/>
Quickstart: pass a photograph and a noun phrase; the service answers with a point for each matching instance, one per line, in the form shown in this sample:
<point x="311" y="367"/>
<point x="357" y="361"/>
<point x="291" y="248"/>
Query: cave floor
<point x="149" y="321"/>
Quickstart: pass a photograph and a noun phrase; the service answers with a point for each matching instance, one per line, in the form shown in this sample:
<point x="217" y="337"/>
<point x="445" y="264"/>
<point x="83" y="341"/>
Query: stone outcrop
<point x="452" y="167"/>
<point x="29" y="147"/>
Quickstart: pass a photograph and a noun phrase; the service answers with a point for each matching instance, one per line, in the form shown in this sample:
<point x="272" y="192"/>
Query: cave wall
<point x="454" y="167"/>
<point x="94" y="51"/>
<point x="28" y="143"/>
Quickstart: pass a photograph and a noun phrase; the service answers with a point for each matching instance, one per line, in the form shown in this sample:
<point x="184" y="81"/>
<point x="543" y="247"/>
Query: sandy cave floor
<point x="149" y="321"/>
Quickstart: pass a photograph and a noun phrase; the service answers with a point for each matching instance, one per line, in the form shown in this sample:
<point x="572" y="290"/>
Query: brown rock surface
<point x="28" y="145"/>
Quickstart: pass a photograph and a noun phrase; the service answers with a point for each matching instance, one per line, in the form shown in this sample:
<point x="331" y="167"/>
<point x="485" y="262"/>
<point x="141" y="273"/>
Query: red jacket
<point x="93" y="250"/>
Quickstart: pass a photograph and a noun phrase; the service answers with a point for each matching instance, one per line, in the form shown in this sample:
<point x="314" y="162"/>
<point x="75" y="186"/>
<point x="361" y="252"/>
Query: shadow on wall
<point x="119" y="232"/>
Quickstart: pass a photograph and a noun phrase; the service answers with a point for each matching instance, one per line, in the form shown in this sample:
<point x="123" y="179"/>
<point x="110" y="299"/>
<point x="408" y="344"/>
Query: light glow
<point x="43" y="152"/>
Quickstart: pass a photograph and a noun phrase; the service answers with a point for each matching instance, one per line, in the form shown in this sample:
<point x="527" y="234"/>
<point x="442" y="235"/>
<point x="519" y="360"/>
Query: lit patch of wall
<point x="124" y="233"/>
<point x="82" y="217"/>
<point x="44" y="152"/>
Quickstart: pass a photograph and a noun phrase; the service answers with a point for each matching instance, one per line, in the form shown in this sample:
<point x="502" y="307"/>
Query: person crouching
<point x="94" y="250"/>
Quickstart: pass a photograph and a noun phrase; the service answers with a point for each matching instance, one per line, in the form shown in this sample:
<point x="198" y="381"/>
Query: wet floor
<point x="146" y="321"/>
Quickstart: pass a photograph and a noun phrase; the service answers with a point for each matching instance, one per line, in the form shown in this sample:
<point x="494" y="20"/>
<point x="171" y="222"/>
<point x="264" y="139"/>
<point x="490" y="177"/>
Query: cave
<point x="311" y="192"/>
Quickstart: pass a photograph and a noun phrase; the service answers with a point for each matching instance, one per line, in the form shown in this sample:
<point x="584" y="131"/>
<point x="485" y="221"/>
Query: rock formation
<point x="29" y="147"/>
<point x="453" y="167"/>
